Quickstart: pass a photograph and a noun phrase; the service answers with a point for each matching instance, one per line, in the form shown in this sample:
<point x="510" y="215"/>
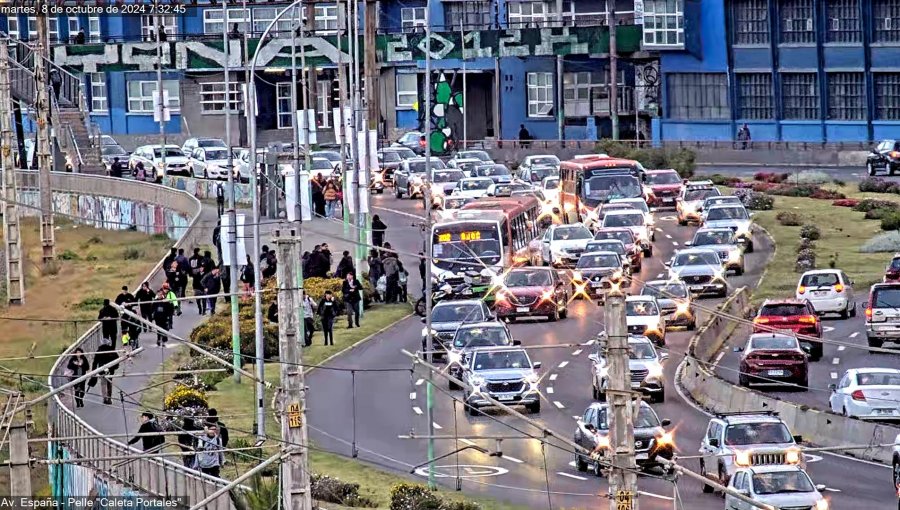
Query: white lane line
<point x="401" y="213"/>
<point x="829" y="489"/>
<point x="558" y="404"/>
<point x="827" y="329"/>
<point x="577" y="352"/>
<point x="512" y="459"/>
<point x="841" y="347"/>
<point x="660" y="275"/>
<point x="659" y="229"/>
<point x="668" y="236"/>
<point x="567" y="475"/>
<point x="719" y="358"/>
<point x="553" y="377"/>
<point x="834" y="375"/>
<point x="412" y="395"/>
<point x="563" y="364"/>
<point x="550" y="390"/>
<point x="854" y="334"/>
<point x="417" y="410"/>
<point x="836" y="361"/>
<point x="436" y="426"/>
<point x="419" y="382"/>
<point x="576" y="418"/>
<point x="589" y="343"/>
<point x="466" y="441"/>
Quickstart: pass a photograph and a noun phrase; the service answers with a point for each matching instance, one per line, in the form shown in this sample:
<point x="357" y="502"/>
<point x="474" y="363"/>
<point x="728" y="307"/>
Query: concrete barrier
<point x="822" y="428"/>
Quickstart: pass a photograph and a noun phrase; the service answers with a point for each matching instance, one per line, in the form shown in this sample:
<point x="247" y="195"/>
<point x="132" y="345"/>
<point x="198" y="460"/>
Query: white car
<point x="192" y="143"/>
<point x="333" y="157"/>
<point x="735" y="217"/>
<point x="151" y="157"/>
<point x="787" y="487"/>
<point x="829" y="291"/>
<point x="643" y="318"/>
<point x="210" y="162"/>
<point x="443" y="182"/>
<point x="867" y="394"/>
<point x="482" y="156"/>
<point x="646" y="366"/>
<point x="472" y="187"/>
<point x="641" y="205"/>
<point x="562" y="245"/>
<point x="550" y="187"/>
<point x="689" y="203"/>
<point x="633" y="220"/>
<point x="464" y="164"/>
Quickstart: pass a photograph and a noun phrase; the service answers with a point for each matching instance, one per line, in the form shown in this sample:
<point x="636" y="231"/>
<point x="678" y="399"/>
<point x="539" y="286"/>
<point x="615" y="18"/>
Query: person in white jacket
<point x="210" y="457"/>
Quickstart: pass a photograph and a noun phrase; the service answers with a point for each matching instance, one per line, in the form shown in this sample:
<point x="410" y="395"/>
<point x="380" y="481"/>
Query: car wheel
<point x="534" y="408"/>
<point x="205" y="174"/>
<point x="565" y="310"/>
<point x="682" y="222"/>
<point x="397" y="192"/>
<point x="597" y="468"/>
<point x="707" y="489"/>
<point x="580" y="463"/>
<point x="739" y="271"/>
<point x="896" y="466"/>
<point x="692" y="326"/>
<point x="852" y="307"/>
<point x="409" y="193"/>
<point x="891" y="169"/>
<point x="744" y="380"/>
<point x="750" y="247"/>
<point x="876" y="343"/>
<point x="870" y="169"/>
<point x="845" y="313"/>
<point x="804" y="383"/>
<point x="553" y="317"/>
<point x="380" y="192"/>
<point x="453" y="386"/>
<point x="471" y="410"/>
<point x="660" y="396"/>
<point x="648" y="252"/>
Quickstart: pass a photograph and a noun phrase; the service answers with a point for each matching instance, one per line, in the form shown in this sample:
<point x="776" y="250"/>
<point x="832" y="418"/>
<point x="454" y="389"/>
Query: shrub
<point x="810" y="232"/>
<point x="789" y="219"/>
<point x="681" y="160"/>
<point x="204" y="380"/>
<point x="805" y="244"/>
<point x="725" y="180"/>
<point x="332" y="490"/>
<point x="890" y="221"/>
<point x="877" y="214"/>
<point x="771" y="177"/>
<point x="810" y="177"/>
<point x="806" y="260"/>
<point x="185" y="399"/>
<point x="50" y="268"/>
<point x="878" y="185"/>
<point x="94" y="240"/>
<point x="411" y="496"/>
<point x="869" y="204"/>
<point x="68" y="255"/>
<point x="132" y="254"/>
<point x="846" y="202"/>
<point x="759" y="202"/>
<point x="885" y="242"/>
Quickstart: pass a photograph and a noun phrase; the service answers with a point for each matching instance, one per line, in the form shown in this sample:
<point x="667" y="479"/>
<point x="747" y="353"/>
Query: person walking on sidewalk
<point x="210" y="457"/>
<point x="402" y="280"/>
<point x="378" y="228"/>
<point x="109" y="322"/>
<point x="217" y="238"/>
<point x="392" y="273"/>
<point x="145" y="297"/>
<point x="743" y="136"/>
<point x="187" y="440"/>
<point x="126" y="300"/>
<point x="147" y="434"/>
<point x="376" y="271"/>
<point x="422" y="269"/>
<point x="176" y="278"/>
<point x="196" y="265"/>
<point x="328" y="312"/>
<point x="106" y="354"/>
<point x="172" y="298"/>
<point x="345" y="266"/>
<point x="212" y="286"/>
<point x="163" y="311"/>
<point x="331" y="198"/>
<point x="352" y="292"/>
<point x="220" y="198"/>
<point x="78" y="366"/>
<point x="247" y="277"/>
<point x="309" y="322"/>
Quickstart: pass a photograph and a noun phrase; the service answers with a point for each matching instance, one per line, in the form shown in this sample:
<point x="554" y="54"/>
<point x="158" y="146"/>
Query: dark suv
<point x="885" y="156"/>
<point x="651" y="440"/>
<point x="892" y="271"/>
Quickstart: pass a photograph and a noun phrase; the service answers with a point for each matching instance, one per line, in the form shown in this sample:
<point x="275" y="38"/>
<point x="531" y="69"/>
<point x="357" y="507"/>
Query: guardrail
<point x="667" y="144"/>
<point x="152" y="476"/>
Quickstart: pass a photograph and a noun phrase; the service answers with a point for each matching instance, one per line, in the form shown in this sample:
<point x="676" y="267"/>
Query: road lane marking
<point x="660" y="275"/>
<point x="719" y="358"/>
<point x="567" y="475"/>
<point x="668" y="236"/>
<point x="576" y="418"/>
<point x="558" y="404"/>
<point x="827" y="329"/>
<point x="553" y="377"/>
<point x="550" y="390"/>
<point x="674" y="243"/>
<point x="829" y="489"/>
<point x="470" y="470"/>
<point x="853" y="335"/>
<point x="834" y="375"/>
<point x="419" y="382"/>
<point x="512" y="459"/>
<point x="589" y="343"/>
<point x="563" y="364"/>
<point x="436" y="426"/>
<point x="836" y="361"/>
<point x="841" y="347"/>
<point x="466" y="441"/>
<point x="417" y="410"/>
<point x="577" y="352"/>
<point x="412" y="395"/>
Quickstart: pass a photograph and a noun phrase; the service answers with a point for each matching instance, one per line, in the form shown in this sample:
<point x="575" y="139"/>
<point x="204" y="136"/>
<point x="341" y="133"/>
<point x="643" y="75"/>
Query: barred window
<point x="751" y="22"/>
<point x="540" y="94"/>
<point x="755" y="96"/>
<point x="887" y="96"/>
<point x="698" y="96"/>
<point x="846" y="96"/>
<point x="663" y="22"/>
<point x="212" y="97"/>
<point x="797" y="24"/>
<point x="886" y="20"/>
<point x="468" y="15"/>
<point x="800" y="95"/>
<point x="842" y="18"/>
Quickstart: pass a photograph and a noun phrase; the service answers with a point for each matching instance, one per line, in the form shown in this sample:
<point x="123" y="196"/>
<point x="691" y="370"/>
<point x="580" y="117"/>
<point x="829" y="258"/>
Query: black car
<point x="885" y="156"/>
<point x="447" y="317"/>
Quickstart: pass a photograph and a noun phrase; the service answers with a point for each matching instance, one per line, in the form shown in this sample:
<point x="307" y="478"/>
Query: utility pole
<point x="353" y="77"/>
<point x="12" y="233"/>
<point x="48" y="236"/>
<point x="373" y="110"/>
<point x="292" y="398"/>
<point x="622" y="476"/>
<point x="560" y="97"/>
<point x="613" y="71"/>
<point x="342" y="98"/>
<point x="20" y="467"/>
<point x="163" y="106"/>
<point x="429" y="247"/>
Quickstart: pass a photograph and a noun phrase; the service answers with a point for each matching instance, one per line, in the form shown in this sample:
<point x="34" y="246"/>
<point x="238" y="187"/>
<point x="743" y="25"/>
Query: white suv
<point x="829" y="291"/>
<point x="151" y="157"/>
<point x="786" y="487"/>
<point x="642" y="316"/>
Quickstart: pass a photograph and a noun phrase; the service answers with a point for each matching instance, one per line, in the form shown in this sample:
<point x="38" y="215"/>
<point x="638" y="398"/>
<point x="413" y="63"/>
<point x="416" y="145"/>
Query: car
<point x="333" y="157"/>
<point x="388" y="162"/>
<point x="867" y="394"/>
<point x="885" y="156"/>
<point x="892" y="271"/>
<point x="883" y="314"/>
<point x="641" y="205"/>
<point x="550" y="187"/>
<point x="690" y="200"/>
<point x="490" y="333"/>
<point x="464" y="164"/>
<point x="104" y="140"/>
<point x="532" y="292"/>
<point x="538" y="160"/>
<point x="452" y="203"/>
<point x="530" y="192"/>
<point x="447" y="317"/>
<point x="746" y="439"/>
<point x="151" y="157"/>
<point x="788" y="487"/>
<point x="403" y="152"/>
<point x="829" y="291"/>
<point x="443" y="182"/>
<point x="316" y="166"/>
<point x="506" y="189"/>
<point x="724" y="242"/>
<point x="412" y="140"/>
<point x="674" y="301"/>
<point x="665" y="186"/>
<point x="720" y="200"/>
<point x="895" y="463"/>
<point x="771" y="358"/>
<point x="210" y="162"/>
<point x="795" y="315"/>
<point x="472" y="187"/>
<point x="497" y="172"/>
<point x="595" y="274"/>
<point x="192" y="143"/>
<point x="562" y="245"/>
<point x="617" y="247"/>
<point x="474" y="154"/>
<point x="651" y="439"/>
<point x="409" y="179"/>
<point x="643" y="317"/>
<point x="645" y="364"/>
<point x="536" y="174"/>
<point x="626" y="237"/>
<point x="734" y="217"/>
<point x="700" y="269"/>
<point x="505" y="374"/>
<point x="635" y="221"/>
<point x="108" y="153"/>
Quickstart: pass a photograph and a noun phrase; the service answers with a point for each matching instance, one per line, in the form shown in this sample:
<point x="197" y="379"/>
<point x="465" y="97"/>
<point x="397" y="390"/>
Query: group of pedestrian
<point x="317" y="263"/>
<point x="387" y="275"/>
<point x="327" y="196"/>
<point x="203" y="446"/>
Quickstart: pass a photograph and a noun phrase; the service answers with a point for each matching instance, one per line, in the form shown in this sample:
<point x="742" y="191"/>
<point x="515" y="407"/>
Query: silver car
<point x="787" y="487"/>
<point x="725" y="243"/>
<point x="700" y="269"/>
<point x="734" y="217"/>
<point x="645" y="363"/>
<point x="505" y="374"/>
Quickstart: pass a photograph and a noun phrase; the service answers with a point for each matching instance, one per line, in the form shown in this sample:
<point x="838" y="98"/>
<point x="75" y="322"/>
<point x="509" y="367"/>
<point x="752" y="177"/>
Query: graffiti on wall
<point x="206" y="190"/>
<point x="447" y="111"/>
<point x="73" y="480"/>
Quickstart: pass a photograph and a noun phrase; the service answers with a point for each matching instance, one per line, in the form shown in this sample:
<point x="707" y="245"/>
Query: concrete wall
<point x="206" y="190"/>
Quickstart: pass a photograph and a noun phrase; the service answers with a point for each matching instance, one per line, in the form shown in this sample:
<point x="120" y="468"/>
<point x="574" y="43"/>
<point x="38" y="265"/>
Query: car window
<point x="664" y="178"/>
<point x="646" y="418"/>
<point x="571" y="233"/>
<point x="820" y="280"/>
<point x="641" y="350"/>
<point x="727" y="213"/>
<point x="713" y="237"/>
<point x="668" y="290"/>
<point x="886" y="297"/>
<point x="878" y="379"/>
<point x="491" y="360"/>
<point x="641" y="308"/>
<point x="781" y="482"/>
<point x="615" y="247"/>
<point x="475" y="184"/>
<point x="481" y="337"/>
<point x="696" y="258"/>
<point x="783" y="309"/>
<point x="457" y="313"/>
<point x="741" y="434"/>
<point x="623" y="220"/>
<point x="845" y="381"/>
<point x="620" y="235"/>
<point x="774" y="342"/>
<point x="599" y="260"/>
<point x="700" y="194"/>
<point x="538" y="278"/>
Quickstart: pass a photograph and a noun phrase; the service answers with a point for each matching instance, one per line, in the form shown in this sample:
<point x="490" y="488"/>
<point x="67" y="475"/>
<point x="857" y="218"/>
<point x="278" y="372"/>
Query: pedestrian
<point x="109" y="321"/>
<point x="235" y="32"/>
<point x="213" y="417"/>
<point x="148" y="434"/>
<point x="217" y="238"/>
<point x="378" y="228"/>
<point x="126" y="300"/>
<point x="171" y="257"/>
<point x="210" y="457"/>
<point x="106" y="354"/>
<point x="345" y="266"/>
<point x="524" y="136"/>
<point x="183" y="263"/>
<point x="402" y="280"/>
<point x="55" y="82"/>
<point x="127" y="345"/>
<point x="196" y="270"/>
<point x="172" y="298"/>
<point x="328" y="312"/>
<point x="78" y="367"/>
<point x="212" y="286"/>
<point x="268" y="263"/>
<point x="79" y="37"/>
<point x="188" y="440"/>
<point x="304" y="264"/>
<point x="247" y="276"/>
<point x="392" y="274"/>
<point x="329" y="259"/>
<point x="176" y="278"/>
<point x="318" y="197"/>
<point x="309" y="323"/>
<point x="272" y="313"/>
<point x="208" y="262"/>
<point x="115" y="169"/>
<point x="330" y="191"/>
<point x="376" y="271"/>
<point x="145" y="297"/>
<point x="220" y="198"/>
<point x="422" y="269"/>
<point x="743" y="136"/>
<point x="352" y="294"/>
<point x="161" y="33"/>
<point x="163" y="310"/>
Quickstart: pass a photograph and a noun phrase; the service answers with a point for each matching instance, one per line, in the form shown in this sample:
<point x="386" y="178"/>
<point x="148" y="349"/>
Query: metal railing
<point x="74" y="142"/>
<point x="549" y="144"/>
<point x="22" y="57"/>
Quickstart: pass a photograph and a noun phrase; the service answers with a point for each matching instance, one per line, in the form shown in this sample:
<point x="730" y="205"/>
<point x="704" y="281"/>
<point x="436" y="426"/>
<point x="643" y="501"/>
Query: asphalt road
<point x="392" y="402"/>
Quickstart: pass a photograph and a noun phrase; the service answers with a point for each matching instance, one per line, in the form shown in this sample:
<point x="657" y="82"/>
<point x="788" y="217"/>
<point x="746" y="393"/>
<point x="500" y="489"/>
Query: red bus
<point x="589" y="181"/>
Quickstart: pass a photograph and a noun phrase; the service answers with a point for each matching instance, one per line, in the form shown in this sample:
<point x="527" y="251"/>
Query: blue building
<point x="792" y="70"/>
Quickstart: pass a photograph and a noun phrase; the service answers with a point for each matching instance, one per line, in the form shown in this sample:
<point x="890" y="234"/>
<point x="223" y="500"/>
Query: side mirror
<point x="821" y="487"/>
<point x="798" y="439"/>
<point x="594" y="357"/>
<point x="663" y="357"/>
<point x="423" y="320"/>
<point x="536" y="365"/>
<point x="689" y="243"/>
<point x="517" y="342"/>
<point x="745" y="492"/>
<point x="590" y="427"/>
<point x="714" y="442"/>
<point x="738" y="349"/>
<point x="667" y="263"/>
<point x="547" y="242"/>
<point x="665" y="422"/>
<point x="832" y="387"/>
<point x="751" y="214"/>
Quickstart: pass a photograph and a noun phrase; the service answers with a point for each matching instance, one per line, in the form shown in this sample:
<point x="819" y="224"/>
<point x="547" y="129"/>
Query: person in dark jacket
<point x="268" y="263"/>
<point x="220" y="198"/>
<point x="217" y="238"/>
<point x="149" y="425"/>
<point x="345" y="266"/>
<point x="79" y="37"/>
<point x="212" y="285"/>
<point x="328" y="311"/>
<point x="176" y="278"/>
<point x="272" y="313"/>
<point x="163" y="311"/>
<point x="78" y="366"/>
<point x="55" y="82"/>
<point x="376" y="270"/>
<point x="378" y="228"/>
<point x="352" y="293"/>
<point x="422" y="269"/>
<point x="329" y="259"/>
<point x="188" y="439"/>
<point x="213" y="418"/>
<point x="144" y="297"/>
<point x="171" y="257"/>
<point x="126" y="299"/>
<point x="318" y="263"/>
<point x="247" y="276"/>
<point x="318" y="195"/>
<point x="116" y="168"/>
<point x="196" y="273"/>
<point x="109" y="320"/>
<point x="106" y="354"/>
<point x="392" y="274"/>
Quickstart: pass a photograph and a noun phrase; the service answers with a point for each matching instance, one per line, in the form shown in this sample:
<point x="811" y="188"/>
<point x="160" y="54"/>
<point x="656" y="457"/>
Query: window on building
<point x="412" y="18"/>
<point x="751" y="22"/>
<point x="527" y="14"/>
<point x="540" y="94"/>
<point x="579" y="90"/>
<point x="800" y="96"/>
<point x="212" y="97"/>
<point x="842" y="21"/>
<point x="755" y="96"/>
<point x="140" y="95"/>
<point x="588" y="12"/>
<point x="97" y="83"/>
<point x="283" y="105"/>
<point x="32" y="27"/>
<point x="846" y="96"/>
<point x="149" y="24"/>
<point x="797" y="22"/>
<point x="698" y="96"/>
<point x="323" y="102"/>
<point x="93" y="28"/>
<point x="407" y="90"/>
<point x="53" y="28"/>
<point x="887" y="96"/>
<point x="212" y="20"/>
<point x="73" y="26"/>
<point x="886" y="20"/>
<point x="664" y="22"/>
<point x="326" y="20"/>
<point x="262" y="16"/>
<point x="469" y="15"/>
<point x="12" y="27"/>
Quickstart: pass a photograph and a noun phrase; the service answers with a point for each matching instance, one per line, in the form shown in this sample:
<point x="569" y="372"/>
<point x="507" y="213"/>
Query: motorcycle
<point x="444" y="292"/>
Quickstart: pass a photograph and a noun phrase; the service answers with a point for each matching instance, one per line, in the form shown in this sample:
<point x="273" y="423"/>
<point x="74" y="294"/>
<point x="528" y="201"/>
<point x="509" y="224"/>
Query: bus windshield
<point x="601" y="188"/>
<point x="466" y="246"/>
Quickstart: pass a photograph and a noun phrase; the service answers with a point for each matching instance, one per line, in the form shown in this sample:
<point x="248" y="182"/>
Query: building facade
<point x="792" y="70"/>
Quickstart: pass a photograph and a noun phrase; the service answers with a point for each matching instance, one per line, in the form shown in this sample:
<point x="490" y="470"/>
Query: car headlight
<point x="822" y="504"/>
<point x="159" y="165"/>
<point x="425" y="332"/>
<point x="792" y="457"/>
<point x="532" y="378"/>
<point x="734" y="256"/>
<point x="476" y="381"/>
<point x="576" y="275"/>
<point x="667" y="439"/>
<point x="742" y="458"/>
<point x="547" y="295"/>
<point x="454" y="356"/>
<point x="654" y="372"/>
<point x="683" y="308"/>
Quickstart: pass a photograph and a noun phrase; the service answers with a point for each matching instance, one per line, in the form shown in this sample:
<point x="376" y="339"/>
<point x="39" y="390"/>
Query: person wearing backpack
<point x="149" y="425"/>
<point x="247" y="277"/>
<point x="210" y="457"/>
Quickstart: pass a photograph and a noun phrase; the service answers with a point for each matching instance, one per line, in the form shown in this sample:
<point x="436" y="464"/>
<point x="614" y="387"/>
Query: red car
<point x="773" y="357"/>
<point x="795" y="315"/>
<point x="892" y="272"/>
<point x="532" y="292"/>
<point x="632" y="248"/>
<point x="665" y="185"/>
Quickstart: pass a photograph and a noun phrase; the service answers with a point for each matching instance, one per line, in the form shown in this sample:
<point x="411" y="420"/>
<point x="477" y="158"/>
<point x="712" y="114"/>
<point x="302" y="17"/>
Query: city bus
<point x="589" y="181"/>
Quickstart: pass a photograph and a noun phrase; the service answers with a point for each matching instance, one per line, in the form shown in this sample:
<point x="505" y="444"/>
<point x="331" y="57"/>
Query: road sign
<point x="624" y="500"/>
<point x="293" y="413"/>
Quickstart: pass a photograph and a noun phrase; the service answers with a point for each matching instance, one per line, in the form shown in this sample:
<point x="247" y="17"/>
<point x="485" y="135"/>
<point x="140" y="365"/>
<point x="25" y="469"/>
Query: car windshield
<point x="646" y="418"/>
<point x="404" y="152"/>
<point x="663" y="178"/>
<point x="503" y="190"/>
<point x="492" y="360"/>
<point x="537" y="174"/>
<point x="457" y="313"/>
<point x="878" y="379"/>
<point x="619" y="235"/>
<point x="820" y="280"/>
<point x="455" y="203"/>
<point x="700" y="193"/>
<point x="895" y="263"/>
<point x="640" y="205"/>
<point x="329" y="155"/>
<point x="886" y="298"/>
<point x="112" y="150"/>
<point x="447" y="176"/>
<point x="171" y="152"/>
<point x="665" y="291"/>
<point x="571" y="233"/>
<point x="774" y="342"/>
<point x="601" y="188"/>
<point x="538" y="278"/>
<point x="107" y="140"/>
<point x="623" y="220"/>
<point x="615" y="247"/>
<point x="487" y="171"/>
<point x="641" y="350"/>
<point x="544" y="160"/>
<point x="418" y="167"/>
<point x="483" y="156"/>
<point x="551" y="183"/>
<point x="729" y="199"/>
<point x="216" y="154"/>
<point x="475" y="184"/>
<point x="389" y="157"/>
<point x="641" y="308"/>
<point x="696" y="259"/>
<point x="321" y="164"/>
<point x="210" y="143"/>
<point x="757" y="433"/>
<point x="727" y="213"/>
<point x="783" y="309"/>
<point x="599" y="260"/>
<point x="713" y="237"/>
<point x="481" y="337"/>
<point x="781" y="482"/>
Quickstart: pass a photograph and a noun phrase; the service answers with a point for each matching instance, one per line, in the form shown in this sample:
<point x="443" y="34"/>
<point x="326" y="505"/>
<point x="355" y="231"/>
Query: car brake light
<point x="858" y="396"/>
<point x="807" y="319"/>
<point x="839" y="288"/>
<point x="868" y="312"/>
<point x="801" y="289"/>
<point x="894" y="154"/>
<point x="760" y="320"/>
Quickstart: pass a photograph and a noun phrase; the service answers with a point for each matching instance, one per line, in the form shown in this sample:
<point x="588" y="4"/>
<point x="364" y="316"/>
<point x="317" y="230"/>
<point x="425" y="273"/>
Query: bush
<point x="681" y="160"/>
<point x="809" y="177"/>
<point x="789" y="219"/>
<point x="878" y="185"/>
<point x="846" y="202"/>
<point x="206" y="380"/>
<point x="759" y="202"/>
<point x="94" y="240"/>
<point x="806" y="260"/>
<point x="332" y="490"/>
<point x="50" y="268"/>
<point x="890" y="221"/>
<point x="810" y="232"/>
<point x="770" y="177"/>
<point x="68" y="255"/>
<point x="186" y="400"/>
<point x="885" y="242"/>
<point x="869" y="204"/>
<point x="877" y="214"/>
<point x="725" y="180"/>
<point x="132" y="254"/>
<point x="805" y="244"/>
<point x="411" y="496"/>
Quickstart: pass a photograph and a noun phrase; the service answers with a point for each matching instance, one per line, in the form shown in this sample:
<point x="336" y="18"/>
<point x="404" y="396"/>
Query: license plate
<point x="884" y="411"/>
<point x="893" y="319"/>
<point x="505" y="397"/>
<point x="641" y="456"/>
<point x="467" y="292"/>
<point x="820" y="293"/>
<point x="596" y="284"/>
<point x="668" y="200"/>
<point x="522" y="309"/>
<point x="776" y="373"/>
<point x="696" y="287"/>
